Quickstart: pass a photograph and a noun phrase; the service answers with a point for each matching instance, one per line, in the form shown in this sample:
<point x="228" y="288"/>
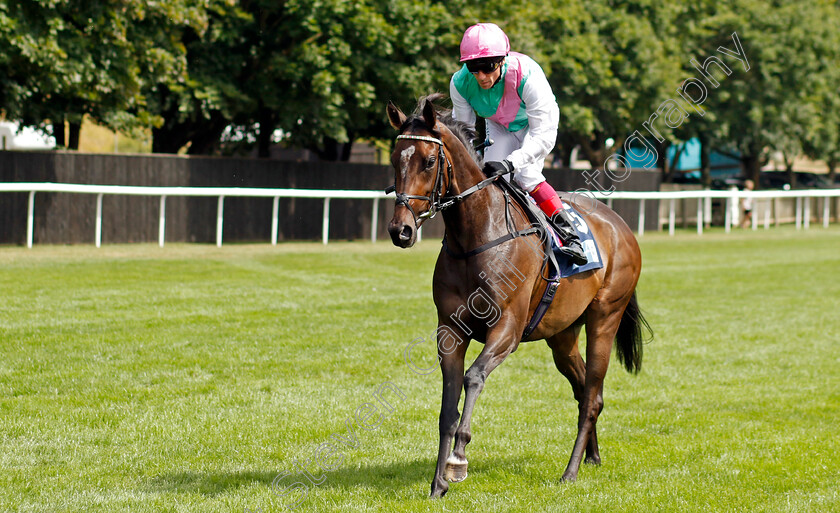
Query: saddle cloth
<point x="587" y="240"/>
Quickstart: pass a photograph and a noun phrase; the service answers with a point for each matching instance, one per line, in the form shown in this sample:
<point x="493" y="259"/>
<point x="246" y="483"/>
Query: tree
<point x="65" y="60"/>
<point x="767" y="101"/>
<point x="610" y="65"/>
<point x="317" y="70"/>
<point x="194" y="109"/>
<point x="352" y="57"/>
<point x="821" y="139"/>
<point x="29" y="57"/>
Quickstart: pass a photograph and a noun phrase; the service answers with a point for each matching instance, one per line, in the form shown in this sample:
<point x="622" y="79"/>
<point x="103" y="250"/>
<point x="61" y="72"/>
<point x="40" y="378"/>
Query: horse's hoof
<point x="456" y="469"/>
<point x="592" y="460"/>
<point x="439" y="489"/>
<point x="568" y="478"/>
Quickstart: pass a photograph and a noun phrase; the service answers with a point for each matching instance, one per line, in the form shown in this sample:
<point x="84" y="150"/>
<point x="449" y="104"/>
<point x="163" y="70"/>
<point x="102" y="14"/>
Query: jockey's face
<point x="487" y="80"/>
<point x="486" y="71"/>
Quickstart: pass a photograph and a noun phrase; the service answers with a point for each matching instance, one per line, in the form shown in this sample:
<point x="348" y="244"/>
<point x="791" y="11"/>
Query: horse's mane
<point x="463" y="131"/>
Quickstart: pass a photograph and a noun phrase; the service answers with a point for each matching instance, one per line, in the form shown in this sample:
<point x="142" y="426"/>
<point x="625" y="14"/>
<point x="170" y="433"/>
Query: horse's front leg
<point x="452" y="368"/>
<point x="501" y="341"/>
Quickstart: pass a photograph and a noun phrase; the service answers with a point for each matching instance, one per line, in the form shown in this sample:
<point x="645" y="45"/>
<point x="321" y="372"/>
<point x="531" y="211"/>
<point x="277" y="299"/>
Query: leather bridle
<point x="435" y="196"/>
<point x="436" y="199"/>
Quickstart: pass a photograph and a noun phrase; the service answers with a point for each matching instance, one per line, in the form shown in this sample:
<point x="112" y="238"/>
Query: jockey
<point x="511" y="92"/>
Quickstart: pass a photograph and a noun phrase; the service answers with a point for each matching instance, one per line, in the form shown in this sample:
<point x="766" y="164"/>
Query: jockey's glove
<point x="496" y="168"/>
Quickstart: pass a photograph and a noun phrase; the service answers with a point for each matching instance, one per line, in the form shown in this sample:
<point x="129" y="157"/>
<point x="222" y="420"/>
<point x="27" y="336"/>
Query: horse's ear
<point x="429" y="114"/>
<point x="395" y="115"/>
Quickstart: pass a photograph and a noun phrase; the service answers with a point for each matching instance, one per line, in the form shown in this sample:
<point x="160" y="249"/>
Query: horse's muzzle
<point x="403" y="234"/>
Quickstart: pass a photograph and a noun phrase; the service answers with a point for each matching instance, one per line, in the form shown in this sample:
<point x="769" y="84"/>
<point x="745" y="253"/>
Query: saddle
<point x="556" y="265"/>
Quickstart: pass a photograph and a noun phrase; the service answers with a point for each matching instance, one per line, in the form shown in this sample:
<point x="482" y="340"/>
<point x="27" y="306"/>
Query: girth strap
<point x="542" y="308"/>
<point x="491" y="244"/>
<point x="553" y="280"/>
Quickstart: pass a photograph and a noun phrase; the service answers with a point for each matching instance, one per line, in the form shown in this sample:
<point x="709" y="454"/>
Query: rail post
<point x="700" y="205"/>
<point x="826" y="205"/>
<point x="30" y="220"/>
<point x="275" y="221"/>
<point x="767" y="206"/>
<point x="220" y="218"/>
<point x="162" y="221"/>
<point x="798" y="213"/>
<point x="672" y="215"/>
<point x="374" y="219"/>
<point x="325" y="222"/>
<point x="99" y="219"/>
<point x="807" y="213"/>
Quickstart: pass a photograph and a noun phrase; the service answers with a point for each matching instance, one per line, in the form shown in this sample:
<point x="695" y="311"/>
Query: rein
<point x="438" y="202"/>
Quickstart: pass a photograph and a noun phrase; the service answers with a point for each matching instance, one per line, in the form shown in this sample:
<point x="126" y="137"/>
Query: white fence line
<point x="219" y="192"/>
<point x="703" y="198"/>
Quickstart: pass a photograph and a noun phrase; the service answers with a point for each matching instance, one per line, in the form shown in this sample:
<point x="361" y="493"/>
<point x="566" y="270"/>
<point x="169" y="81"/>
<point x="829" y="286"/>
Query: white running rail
<point x="703" y="198"/>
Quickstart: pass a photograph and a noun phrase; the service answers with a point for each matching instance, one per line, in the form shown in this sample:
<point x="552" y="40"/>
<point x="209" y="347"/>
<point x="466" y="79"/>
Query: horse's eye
<point x="430" y="161"/>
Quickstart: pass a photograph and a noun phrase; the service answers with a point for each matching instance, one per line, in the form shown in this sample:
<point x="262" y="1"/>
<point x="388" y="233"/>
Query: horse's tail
<point x="630" y="337"/>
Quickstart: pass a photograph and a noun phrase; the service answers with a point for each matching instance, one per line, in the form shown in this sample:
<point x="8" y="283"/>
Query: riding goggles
<point x="485" y="66"/>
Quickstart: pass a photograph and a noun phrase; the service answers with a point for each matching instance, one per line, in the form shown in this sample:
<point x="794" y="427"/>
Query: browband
<point x="421" y="138"/>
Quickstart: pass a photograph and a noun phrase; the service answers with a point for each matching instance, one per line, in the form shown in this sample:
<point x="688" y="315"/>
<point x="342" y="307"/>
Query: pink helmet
<point x="484" y="40"/>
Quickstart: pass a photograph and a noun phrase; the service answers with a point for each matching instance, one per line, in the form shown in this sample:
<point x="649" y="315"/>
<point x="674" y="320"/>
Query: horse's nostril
<point x="405" y="233"/>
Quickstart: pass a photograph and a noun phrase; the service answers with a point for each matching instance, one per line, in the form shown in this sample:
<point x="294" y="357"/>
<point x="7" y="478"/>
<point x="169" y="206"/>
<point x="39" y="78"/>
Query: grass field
<point x="141" y="379"/>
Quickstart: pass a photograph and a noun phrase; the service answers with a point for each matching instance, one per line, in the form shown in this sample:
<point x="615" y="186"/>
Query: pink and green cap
<point x="484" y="40"/>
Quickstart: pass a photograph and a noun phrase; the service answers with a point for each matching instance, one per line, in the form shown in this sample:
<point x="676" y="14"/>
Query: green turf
<point x="141" y="379"/>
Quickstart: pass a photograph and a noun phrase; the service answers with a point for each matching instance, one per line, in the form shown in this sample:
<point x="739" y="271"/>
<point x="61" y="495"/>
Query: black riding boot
<point x="571" y="242"/>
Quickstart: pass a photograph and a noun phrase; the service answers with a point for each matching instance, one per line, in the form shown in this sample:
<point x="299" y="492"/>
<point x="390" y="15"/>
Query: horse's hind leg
<point x="567" y="359"/>
<point x="602" y="320"/>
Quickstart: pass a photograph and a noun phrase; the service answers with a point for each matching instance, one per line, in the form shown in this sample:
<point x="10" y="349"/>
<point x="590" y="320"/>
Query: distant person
<point x="511" y="92"/>
<point x="747" y="205"/>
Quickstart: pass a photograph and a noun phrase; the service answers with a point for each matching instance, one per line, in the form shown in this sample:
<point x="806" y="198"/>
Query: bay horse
<point x="436" y="169"/>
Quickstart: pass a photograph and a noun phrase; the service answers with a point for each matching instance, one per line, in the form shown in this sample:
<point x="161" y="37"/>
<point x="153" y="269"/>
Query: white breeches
<point x="505" y="143"/>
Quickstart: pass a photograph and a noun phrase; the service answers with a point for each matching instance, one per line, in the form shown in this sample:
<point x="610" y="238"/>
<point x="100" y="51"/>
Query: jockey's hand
<point x="496" y="168"/>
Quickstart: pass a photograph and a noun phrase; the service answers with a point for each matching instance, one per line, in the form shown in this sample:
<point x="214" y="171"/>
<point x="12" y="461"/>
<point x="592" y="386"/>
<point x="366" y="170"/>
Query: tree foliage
<point x="62" y="60"/>
<point x="612" y="64"/>
<point x="775" y="105"/>
<point x="318" y="72"/>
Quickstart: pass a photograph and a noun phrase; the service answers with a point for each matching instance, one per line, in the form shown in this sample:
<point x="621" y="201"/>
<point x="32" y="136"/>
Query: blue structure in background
<point x="689" y="157"/>
<point x="689" y="160"/>
<point x="723" y="165"/>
